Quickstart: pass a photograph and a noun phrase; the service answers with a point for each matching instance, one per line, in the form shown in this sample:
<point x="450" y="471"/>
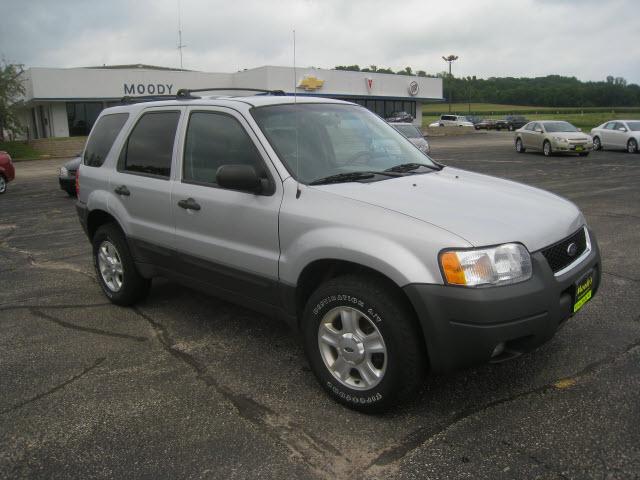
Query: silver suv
<point x="320" y="213"/>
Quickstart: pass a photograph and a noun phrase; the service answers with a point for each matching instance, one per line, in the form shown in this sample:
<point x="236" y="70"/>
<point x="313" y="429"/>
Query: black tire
<point x="519" y="146"/>
<point x="584" y="154"/>
<point x="546" y="149"/>
<point x="71" y="193"/>
<point x="597" y="143"/>
<point x="632" y="146"/>
<point x="405" y="357"/>
<point x="3" y="184"/>
<point x="134" y="286"/>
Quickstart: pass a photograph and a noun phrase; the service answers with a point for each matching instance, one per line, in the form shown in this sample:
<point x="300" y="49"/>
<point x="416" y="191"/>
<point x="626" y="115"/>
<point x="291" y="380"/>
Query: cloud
<point x="587" y="39"/>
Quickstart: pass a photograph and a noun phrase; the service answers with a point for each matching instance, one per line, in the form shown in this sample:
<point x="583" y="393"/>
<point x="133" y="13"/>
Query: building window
<point x="81" y="117"/>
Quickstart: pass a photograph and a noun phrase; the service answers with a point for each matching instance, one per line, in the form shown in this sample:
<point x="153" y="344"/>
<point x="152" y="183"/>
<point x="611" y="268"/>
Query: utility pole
<point x="180" y="45"/>
<point x="450" y="59"/>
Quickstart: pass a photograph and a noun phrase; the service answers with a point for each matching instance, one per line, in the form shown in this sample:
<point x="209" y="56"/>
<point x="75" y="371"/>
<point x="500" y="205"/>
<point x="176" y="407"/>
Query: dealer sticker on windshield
<point x="584" y="290"/>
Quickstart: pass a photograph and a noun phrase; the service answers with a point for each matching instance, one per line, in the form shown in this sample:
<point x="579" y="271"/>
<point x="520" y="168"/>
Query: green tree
<point x="11" y="88"/>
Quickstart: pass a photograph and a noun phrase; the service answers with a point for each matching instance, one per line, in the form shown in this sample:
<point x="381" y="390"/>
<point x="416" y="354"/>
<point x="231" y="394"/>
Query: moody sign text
<point x="147" y="88"/>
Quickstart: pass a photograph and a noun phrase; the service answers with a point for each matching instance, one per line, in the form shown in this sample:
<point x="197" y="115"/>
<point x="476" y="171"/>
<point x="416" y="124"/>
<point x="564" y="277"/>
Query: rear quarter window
<point x="102" y="137"/>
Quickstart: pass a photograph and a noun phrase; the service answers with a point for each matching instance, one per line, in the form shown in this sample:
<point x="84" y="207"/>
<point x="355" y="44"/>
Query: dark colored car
<point x="515" y="122"/>
<point x="7" y="172"/>
<point x="485" y="124"/>
<point x="475" y="119"/>
<point x="399" y="117"/>
<point x="501" y="125"/>
<point x="67" y="176"/>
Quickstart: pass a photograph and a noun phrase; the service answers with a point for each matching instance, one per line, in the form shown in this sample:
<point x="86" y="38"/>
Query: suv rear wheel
<point x="115" y="268"/>
<point x="363" y="344"/>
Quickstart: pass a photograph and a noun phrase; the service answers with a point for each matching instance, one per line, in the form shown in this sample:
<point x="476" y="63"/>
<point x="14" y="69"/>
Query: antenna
<point x="295" y="115"/>
<point x="180" y="45"/>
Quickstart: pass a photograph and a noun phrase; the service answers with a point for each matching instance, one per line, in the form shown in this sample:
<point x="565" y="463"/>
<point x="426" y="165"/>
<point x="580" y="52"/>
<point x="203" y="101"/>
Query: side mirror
<point x="239" y="177"/>
<point x="539" y="130"/>
<point x="622" y="129"/>
<point x="579" y="129"/>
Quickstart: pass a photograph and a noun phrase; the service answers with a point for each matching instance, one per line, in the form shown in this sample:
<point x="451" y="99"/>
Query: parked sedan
<point x="485" y="124"/>
<point x="617" y="135"/>
<point x="7" y="171"/>
<point x="414" y="135"/>
<point x="553" y="137"/>
<point x="515" y="122"/>
<point x="67" y="176"/>
<point x="399" y="117"/>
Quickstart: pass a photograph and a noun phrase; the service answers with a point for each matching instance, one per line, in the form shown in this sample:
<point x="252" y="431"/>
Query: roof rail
<point x="146" y="98"/>
<point x="186" y="92"/>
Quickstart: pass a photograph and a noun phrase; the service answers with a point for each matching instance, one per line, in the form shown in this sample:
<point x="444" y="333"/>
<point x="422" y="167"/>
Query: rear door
<point x="619" y="137"/>
<point x="230" y="241"/>
<point x="141" y="184"/>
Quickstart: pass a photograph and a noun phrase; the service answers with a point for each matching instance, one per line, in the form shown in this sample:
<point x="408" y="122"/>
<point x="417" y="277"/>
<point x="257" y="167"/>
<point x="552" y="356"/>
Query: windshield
<point x="634" y="126"/>
<point x="316" y="140"/>
<point x="409" y="131"/>
<point x="559" y="127"/>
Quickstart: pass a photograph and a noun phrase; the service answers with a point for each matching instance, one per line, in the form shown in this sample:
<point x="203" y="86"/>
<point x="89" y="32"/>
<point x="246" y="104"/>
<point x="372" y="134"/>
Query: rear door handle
<point x="189" y="204"/>
<point x="122" y="190"/>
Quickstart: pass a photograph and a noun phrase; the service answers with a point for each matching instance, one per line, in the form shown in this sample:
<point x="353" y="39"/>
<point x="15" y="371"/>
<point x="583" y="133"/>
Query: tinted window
<point x="150" y="146"/>
<point x="102" y="137"/>
<point x="619" y="125"/>
<point x="634" y="126"/>
<point x="213" y="140"/>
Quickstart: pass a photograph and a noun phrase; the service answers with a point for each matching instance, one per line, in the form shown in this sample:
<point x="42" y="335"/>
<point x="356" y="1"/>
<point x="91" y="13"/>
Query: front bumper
<point x="569" y="147"/>
<point x="462" y="326"/>
<point x="68" y="184"/>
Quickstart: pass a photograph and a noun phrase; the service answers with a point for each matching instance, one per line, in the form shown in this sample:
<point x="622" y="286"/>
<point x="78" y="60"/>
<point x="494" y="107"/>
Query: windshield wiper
<point x="343" y="177"/>
<point x="409" y="167"/>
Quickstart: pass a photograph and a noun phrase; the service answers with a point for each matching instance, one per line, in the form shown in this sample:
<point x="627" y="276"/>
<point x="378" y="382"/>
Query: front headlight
<point x="501" y="265"/>
<point x="64" y="172"/>
<point x="561" y="139"/>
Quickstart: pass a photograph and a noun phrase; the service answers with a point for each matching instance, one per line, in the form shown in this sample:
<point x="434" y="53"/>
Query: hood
<point x="570" y="135"/>
<point x="481" y="209"/>
<point x="72" y="165"/>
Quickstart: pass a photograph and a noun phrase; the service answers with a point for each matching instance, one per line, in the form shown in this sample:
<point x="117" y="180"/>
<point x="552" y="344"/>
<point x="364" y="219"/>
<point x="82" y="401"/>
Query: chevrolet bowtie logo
<point x="310" y="83"/>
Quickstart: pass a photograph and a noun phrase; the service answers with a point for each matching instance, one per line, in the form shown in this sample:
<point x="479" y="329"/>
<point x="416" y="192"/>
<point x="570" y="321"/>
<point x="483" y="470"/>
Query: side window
<point x="619" y="125"/>
<point x="610" y="126"/>
<point x="529" y="126"/>
<point x="213" y="140"/>
<point x="102" y="137"/>
<point x="149" y="148"/>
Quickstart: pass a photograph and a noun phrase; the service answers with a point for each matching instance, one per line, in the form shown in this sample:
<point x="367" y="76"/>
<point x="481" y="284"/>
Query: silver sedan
<point x="414" y="135"/>
<point x="617" y="135"/>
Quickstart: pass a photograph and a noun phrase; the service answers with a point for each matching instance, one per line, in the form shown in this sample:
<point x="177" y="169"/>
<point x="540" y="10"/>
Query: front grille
<point x="557" y="255"/>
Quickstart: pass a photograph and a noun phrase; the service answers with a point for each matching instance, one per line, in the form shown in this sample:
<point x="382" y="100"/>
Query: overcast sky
<point x="589" y="39"/>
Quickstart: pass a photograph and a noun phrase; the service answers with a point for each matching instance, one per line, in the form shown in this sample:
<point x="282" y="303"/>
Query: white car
<point x="414" y="135"/>
<point x="452" y="121"/>
<point x="617" y="135"/>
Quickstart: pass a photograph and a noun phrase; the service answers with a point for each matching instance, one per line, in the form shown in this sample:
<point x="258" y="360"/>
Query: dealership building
<point x="64" y="102"/>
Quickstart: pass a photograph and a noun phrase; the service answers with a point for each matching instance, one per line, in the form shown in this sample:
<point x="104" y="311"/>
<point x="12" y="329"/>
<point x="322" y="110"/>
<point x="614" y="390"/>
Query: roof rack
<point x="146" y="98"/>
<point x="186" y="92"/>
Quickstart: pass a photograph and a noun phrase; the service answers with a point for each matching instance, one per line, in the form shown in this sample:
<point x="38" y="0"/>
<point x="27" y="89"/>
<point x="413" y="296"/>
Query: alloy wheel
<point x="632" y="146"/>
<point x="3" y="184"/>
<point x="352" y="348"/>
<point x="110" y="266"/>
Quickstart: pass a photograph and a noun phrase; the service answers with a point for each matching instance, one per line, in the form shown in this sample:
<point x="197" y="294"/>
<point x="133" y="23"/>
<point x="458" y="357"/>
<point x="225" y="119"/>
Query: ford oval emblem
<point x="572" y="249"/>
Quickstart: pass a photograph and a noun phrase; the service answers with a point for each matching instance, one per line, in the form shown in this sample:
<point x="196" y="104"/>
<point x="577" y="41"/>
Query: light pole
<point x="450" y="59"/>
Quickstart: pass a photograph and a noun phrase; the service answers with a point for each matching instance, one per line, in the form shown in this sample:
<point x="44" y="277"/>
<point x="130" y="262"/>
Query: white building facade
<point x="63" y="102"/>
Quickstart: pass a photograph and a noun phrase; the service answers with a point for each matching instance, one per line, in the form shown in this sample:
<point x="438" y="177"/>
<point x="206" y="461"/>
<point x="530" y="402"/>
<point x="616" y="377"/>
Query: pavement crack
<point x="8" y="306"/>
<point x="54" y="389"/>
<point x="424" y="435"/>
<point x="73" y="326"/>
<point x="617" y="275"/>
<point x="322" y="458"/>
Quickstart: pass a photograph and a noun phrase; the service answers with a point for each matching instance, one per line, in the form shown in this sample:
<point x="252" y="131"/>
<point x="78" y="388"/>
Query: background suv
<point x="322" y="214"/>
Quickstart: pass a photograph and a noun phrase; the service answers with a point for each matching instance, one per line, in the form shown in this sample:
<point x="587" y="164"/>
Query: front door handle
<point x="189" y="204"/>
<point x="122" y="190"/>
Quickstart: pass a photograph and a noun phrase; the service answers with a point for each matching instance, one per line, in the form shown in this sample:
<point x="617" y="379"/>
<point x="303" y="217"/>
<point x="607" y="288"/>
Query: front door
<point x="226" y="238"/>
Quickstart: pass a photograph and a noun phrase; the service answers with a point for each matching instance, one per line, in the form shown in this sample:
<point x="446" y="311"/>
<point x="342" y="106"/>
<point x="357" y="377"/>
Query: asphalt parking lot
<point x="187" y="386"/>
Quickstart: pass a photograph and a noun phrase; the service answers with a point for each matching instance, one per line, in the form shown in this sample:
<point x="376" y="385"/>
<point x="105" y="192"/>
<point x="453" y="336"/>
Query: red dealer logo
<point x="369" y="82"/>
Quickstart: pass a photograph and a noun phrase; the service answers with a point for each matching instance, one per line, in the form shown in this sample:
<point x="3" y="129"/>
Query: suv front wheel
<point x="363" y="344"/>
<point x="116" y="271"/>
